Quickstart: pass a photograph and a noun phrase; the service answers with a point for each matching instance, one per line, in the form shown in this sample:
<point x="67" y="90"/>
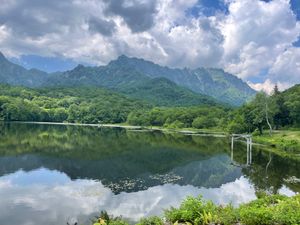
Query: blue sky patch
<point x="297" y="43"/>
<point x="295" y="5"/>
<point x="47" y="64"/>
<point x="207" y="8"/>
<point x="260" y="78"/>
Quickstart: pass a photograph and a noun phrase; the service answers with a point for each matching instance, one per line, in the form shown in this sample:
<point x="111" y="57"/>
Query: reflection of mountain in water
<point x="209" y="173"/>
<point x="212" y="172"/>
<point x="125" y="175"/>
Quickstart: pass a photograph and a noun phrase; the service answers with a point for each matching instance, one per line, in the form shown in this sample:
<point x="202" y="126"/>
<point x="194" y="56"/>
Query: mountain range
<point x="140" y="79"/>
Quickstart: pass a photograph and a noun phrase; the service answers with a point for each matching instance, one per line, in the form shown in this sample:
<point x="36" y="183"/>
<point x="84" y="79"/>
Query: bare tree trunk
<point x="267" y="118"/>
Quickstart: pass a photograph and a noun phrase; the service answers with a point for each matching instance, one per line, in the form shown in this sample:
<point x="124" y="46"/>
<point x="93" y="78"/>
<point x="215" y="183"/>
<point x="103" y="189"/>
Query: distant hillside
<point x="142" y="80"/>
<point x="14" y="74"/>
<point x="163" y="92"/>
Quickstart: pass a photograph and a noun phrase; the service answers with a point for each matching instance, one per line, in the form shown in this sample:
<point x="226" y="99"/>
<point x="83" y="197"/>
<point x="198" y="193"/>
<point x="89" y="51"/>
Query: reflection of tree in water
<point x="123" y="160"/>
<point x="95" y="143"/>
<point x="129" y="161"/>
<point x="268" y="172"/>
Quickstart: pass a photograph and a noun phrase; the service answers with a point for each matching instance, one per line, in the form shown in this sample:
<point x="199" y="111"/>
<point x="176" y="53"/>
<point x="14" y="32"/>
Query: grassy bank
<point x="267" y="210"/>
<point x="284" y="142"/>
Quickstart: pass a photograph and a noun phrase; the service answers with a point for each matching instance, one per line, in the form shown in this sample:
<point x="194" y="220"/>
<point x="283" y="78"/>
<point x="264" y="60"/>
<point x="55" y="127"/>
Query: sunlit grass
<point x="288" y="141"/>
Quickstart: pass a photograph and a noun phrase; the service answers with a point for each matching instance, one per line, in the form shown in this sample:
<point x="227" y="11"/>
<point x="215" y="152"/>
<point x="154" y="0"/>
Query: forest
<point x="280" y="110"/>
<point x="97" y="105"/>
<point x="80" y="105"/>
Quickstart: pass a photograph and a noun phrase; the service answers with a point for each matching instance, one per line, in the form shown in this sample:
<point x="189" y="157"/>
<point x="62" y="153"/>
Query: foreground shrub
<point x="267" y="210"/>
<point x="193" y="210"/>
<point x="227" y="215"/>
<point x="105" y="219"/>
<point x="153" y="220"/>
<point x="288" y="211"/>
<point x="273" y="209"/>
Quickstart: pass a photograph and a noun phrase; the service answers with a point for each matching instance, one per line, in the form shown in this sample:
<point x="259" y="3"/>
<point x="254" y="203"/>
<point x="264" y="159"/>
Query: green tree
<point x="261" y="111"/>
<point x="281" y="113"/>
<point x="204" y="122"/>
<point x="60" y="115"/>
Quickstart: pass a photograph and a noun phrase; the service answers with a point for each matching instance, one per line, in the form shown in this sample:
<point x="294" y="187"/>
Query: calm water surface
<point x="50" y="174"/>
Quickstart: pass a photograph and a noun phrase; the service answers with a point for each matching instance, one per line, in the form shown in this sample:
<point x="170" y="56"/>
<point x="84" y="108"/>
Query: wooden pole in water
<point x="232" y="139"/>
<point x="249" y="146"/>
<point x="247" y="150"/>
<point x="250" y="150"/>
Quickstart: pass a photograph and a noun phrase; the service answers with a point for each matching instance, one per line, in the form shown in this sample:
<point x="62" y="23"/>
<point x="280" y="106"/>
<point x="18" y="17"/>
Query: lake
<point x="51" y="174"/>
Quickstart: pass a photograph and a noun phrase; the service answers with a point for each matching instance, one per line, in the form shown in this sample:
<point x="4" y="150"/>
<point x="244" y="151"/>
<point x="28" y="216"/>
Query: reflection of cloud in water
<point x="284" y="190"/>
<point x="39" y="202"/>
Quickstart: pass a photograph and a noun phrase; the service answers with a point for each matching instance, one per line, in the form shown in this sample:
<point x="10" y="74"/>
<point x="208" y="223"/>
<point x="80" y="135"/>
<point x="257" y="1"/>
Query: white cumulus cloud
<point x="253" y="36"/>
<point x="256" y="32"/>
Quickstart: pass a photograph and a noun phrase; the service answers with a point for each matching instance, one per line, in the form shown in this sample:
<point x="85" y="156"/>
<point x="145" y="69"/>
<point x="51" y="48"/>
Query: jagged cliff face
<point x="213" y="82"/>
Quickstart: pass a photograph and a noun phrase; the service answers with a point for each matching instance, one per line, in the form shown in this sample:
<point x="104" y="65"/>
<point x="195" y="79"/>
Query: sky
<point x="256" y="40"/>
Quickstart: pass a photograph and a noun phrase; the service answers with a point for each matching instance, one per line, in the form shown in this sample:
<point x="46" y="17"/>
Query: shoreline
<point x="266" y="146"/>
<point x="79" y="124"/>
<point x="186" y="131"/>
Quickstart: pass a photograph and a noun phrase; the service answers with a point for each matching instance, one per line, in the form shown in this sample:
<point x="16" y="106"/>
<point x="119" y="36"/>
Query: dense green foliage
<point x="197" y="117"/>
<point x="82" y="105"/>
<point x="247" y="119"/>
<point x="289" y="107"/>
<point x="282" y="110"/>
<point x="267" y="210"/>
<point x="105" y="219"/>
<point x="96" y="105"/>
<point x="152" y="220"/>
<point x="267" y="117"/>
<point x="275" y="209"/>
